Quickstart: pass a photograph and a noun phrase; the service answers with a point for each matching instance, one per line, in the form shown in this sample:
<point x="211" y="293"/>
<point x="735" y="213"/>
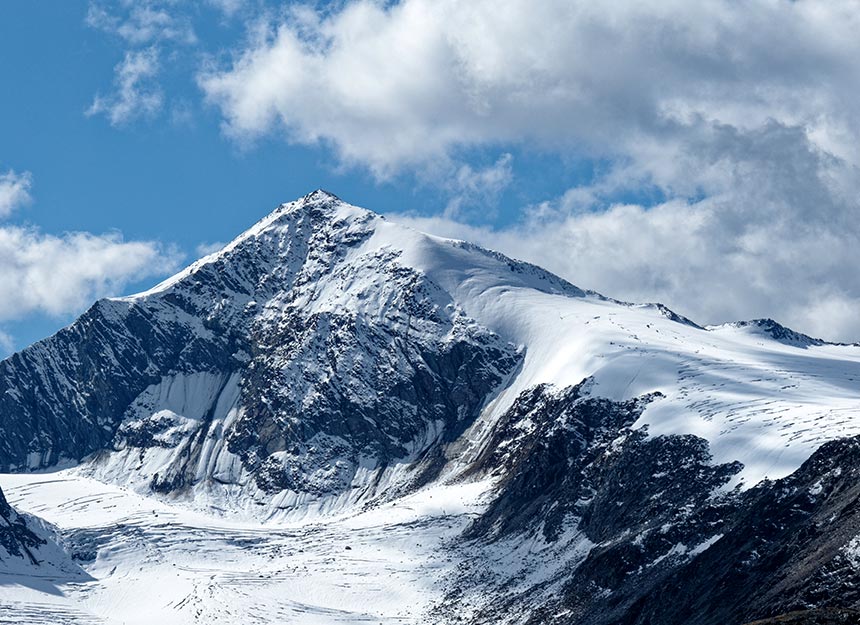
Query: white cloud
<point x="7" y="344"/>
<point x="392" y="85"/>
<point x="778" y="240"/>
<point x="60" y="274"/>
<point x="142" y="22"/>
<point x="146" y="27"/>
<point x="136" y="94"/>
<point x="14" y="191"/>
<point x="228" y="7"/>
<point x="478" y="187"/>
<point x="204" y="249"/>
<point x="55" y="275"/>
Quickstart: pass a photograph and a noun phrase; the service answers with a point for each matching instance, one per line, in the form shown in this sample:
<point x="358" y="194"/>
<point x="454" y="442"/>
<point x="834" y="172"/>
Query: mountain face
<point x="283" y="363"/>
<point x="634" y="467"/>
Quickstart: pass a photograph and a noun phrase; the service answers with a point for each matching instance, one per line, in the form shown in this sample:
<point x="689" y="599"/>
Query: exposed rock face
<point x="778" y="332"/>
<point x="544" y="449"/>
<point x="826" y="616"/>
<point x="16" y="539"/>
<point x="790" y="545"/>
<point x="637" y="530"/>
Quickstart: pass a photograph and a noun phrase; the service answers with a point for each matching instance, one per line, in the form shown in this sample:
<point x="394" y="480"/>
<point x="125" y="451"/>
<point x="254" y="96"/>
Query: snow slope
<point x="286" y="364"/>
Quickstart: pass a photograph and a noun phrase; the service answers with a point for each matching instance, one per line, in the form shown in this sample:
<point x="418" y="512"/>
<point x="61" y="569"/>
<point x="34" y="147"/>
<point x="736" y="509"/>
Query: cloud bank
<point x="390" y="85"/>
<point x="60" y="274"/>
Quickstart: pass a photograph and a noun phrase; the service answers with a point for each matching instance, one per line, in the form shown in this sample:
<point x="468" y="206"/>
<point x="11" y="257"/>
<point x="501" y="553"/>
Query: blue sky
<point x="721" y="184"/>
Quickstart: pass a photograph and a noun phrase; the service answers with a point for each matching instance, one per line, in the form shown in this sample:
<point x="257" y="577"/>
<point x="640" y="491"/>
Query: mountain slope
<point x="328" y="362"/>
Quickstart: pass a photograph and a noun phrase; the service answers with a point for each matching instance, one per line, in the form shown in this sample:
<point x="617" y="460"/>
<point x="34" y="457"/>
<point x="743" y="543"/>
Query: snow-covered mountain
<point x="588" y="461"/>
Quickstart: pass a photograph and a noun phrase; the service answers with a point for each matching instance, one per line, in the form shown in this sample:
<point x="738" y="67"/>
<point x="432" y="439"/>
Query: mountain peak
<point x="774" y="330"/>
<point x="320" y="199"/>
<point x="321" y="195"/>
<point x="267" y="239"/>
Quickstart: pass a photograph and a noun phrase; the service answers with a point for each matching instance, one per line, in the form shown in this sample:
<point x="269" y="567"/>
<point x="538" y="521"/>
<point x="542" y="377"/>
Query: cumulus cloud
<point x="59" y="274"/>
<point x="778" y="239"/>
<point x="14" y="191"/>
<point x="56" y="275"/>
<point x="389" y="85"/>
<point x="739" y="118"/>
<point x="136" y="94"/>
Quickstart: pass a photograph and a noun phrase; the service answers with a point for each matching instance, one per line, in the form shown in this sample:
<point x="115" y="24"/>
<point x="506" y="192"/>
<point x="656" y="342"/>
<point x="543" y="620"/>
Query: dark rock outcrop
<point x="666" y="543"/>
<point x="17" y="540"/>
<point x="825" y="616"/>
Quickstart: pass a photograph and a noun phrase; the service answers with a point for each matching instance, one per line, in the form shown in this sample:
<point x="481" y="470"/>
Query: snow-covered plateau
<point x="338" y="419"/>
